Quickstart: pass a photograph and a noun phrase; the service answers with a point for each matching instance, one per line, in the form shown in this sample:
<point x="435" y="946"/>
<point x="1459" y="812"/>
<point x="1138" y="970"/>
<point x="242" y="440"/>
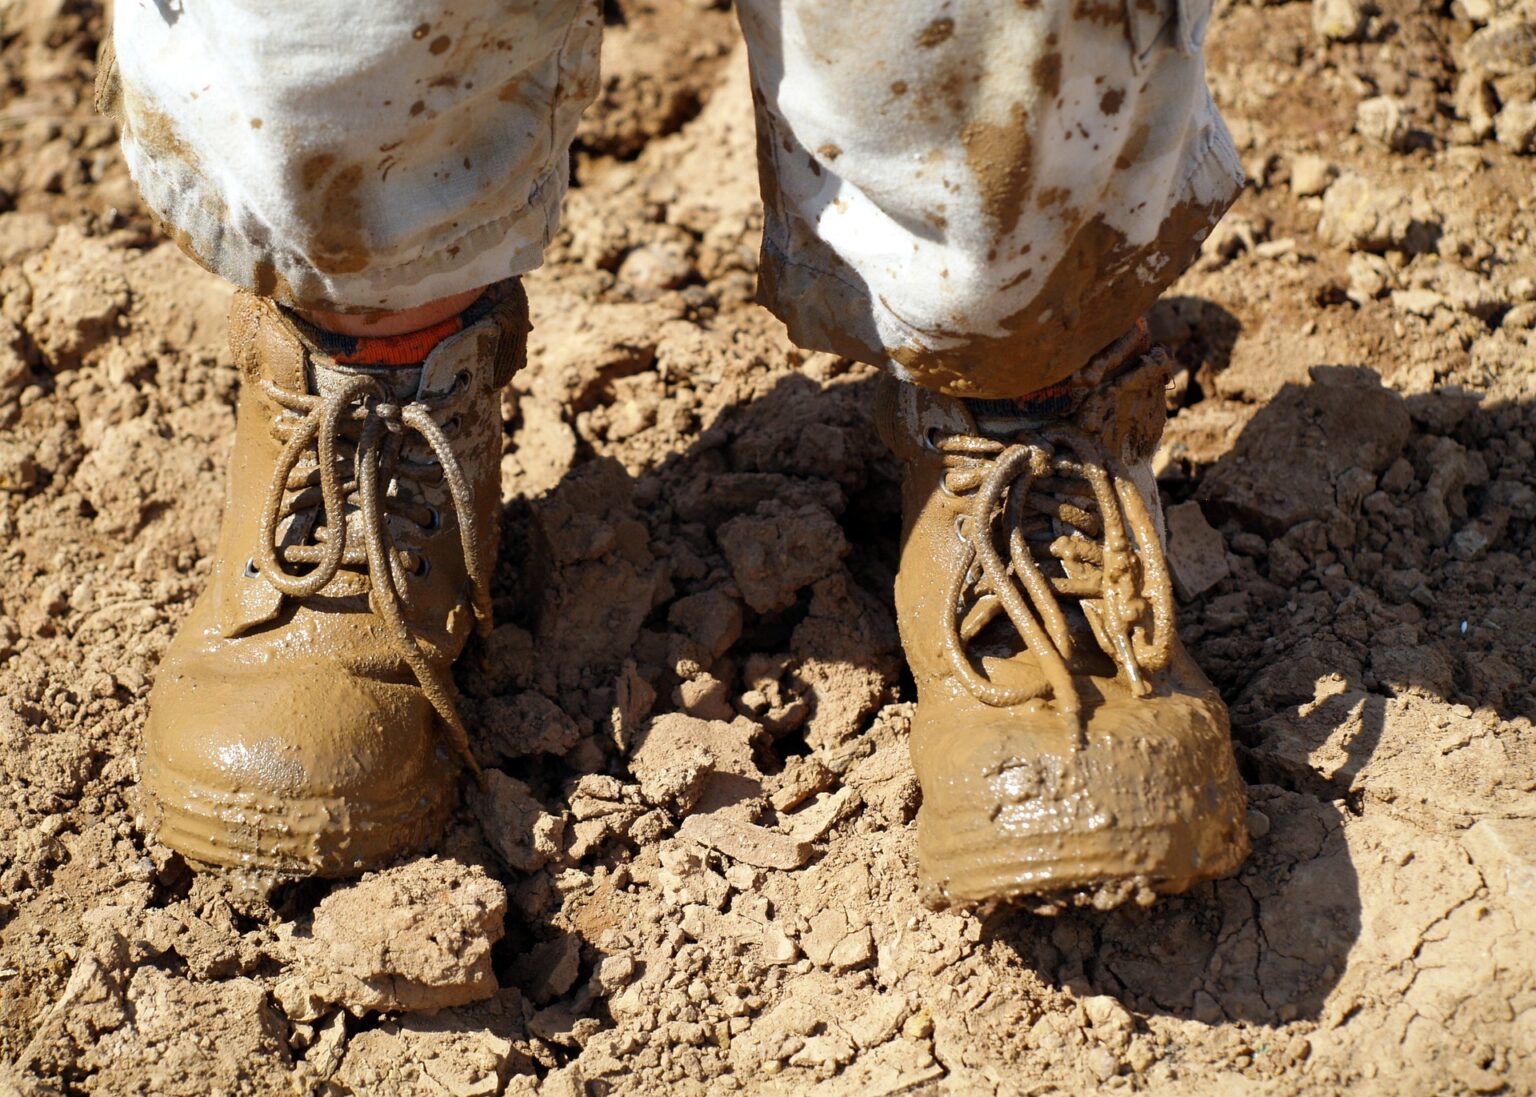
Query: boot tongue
<point x="1007" y="418"/>
<point x="327" y="377"/>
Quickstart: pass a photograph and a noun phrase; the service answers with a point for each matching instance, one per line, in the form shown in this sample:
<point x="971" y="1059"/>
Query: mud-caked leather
<point x="313" y="733"/>
<point x="1068" y="749"/>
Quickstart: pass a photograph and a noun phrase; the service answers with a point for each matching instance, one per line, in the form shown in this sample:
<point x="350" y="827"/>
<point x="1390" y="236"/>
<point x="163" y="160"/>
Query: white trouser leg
<point x="981" y="194"/>
<point x="355" y="156"/>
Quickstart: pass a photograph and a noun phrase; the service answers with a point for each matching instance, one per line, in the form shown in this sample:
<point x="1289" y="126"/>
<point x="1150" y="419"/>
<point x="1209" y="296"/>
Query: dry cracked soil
<point x="701" y="534"/>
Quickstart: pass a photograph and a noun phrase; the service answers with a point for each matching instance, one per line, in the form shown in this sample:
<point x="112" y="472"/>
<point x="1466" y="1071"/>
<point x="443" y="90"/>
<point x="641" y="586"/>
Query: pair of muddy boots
<point x="303" y="721"/>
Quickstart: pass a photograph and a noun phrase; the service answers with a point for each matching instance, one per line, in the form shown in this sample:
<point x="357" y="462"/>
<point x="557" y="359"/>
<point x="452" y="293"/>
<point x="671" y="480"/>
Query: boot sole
<point x="288" y="836"/>
<point x="977" y="867"/>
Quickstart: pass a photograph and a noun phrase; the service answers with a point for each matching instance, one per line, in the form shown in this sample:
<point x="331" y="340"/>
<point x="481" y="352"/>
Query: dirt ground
<point x="701" y="533"/>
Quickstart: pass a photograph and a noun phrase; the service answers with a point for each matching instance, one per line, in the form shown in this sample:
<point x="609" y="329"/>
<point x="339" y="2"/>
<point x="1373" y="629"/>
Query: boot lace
<point x="1072" y="525"/>
<point x="357" y="434"/>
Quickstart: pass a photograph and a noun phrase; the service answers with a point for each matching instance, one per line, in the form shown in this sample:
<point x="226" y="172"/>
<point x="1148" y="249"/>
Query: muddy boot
<point x="303" y="721"/>
<point x="1068" y="748"/>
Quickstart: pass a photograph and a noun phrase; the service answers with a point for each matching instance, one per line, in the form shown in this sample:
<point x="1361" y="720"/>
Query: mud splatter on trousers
<point x="974" y="195"/>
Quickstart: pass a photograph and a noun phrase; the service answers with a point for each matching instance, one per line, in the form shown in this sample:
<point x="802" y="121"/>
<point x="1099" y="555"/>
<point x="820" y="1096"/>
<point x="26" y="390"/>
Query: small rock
<point x="881" y="1021"/>
<point x="1360" y="214"/>
<point x="711" y="619"/>
<point x="705" y="697"/>
<point x="774" y="553"/>
<point x="657" y="266"/>
<point x="1515" y="127"/>
<point x="549" y="969"/>
<point x="1469" y="544"/>
<point x="1311" y="175"/>
<point x="1197" y="555"/>
<point x="1340" y="20"/>
<point x="1520" y="318"/>
<point x="414" y="937"/>
<point x="18" y="471"/>
<point x="693" y="764"/>
<point x="833" y="942"/>
<point x="614" y="973"/>
<point x="1417" y="302"/>
<point x="447" y="1054"/>
<point x="1506" y="46"/>
<point x="1475" y="101"/>
<point x="778" y="948"/>
<point x="801" y="778"/>
<point x="23" y="233"/>
<point x="1384" y="121"/>
<point x="14" y="371"/>
<point x="746" y="842"/>
<point x="519" y="829"/>
<point x="1370" y="276"/>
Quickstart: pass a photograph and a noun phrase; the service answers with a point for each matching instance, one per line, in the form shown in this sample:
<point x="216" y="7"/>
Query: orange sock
<point x="408" y="349"/>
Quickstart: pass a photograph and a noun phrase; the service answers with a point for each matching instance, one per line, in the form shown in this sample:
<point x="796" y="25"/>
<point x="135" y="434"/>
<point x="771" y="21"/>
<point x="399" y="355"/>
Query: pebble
<point x="18" y="470"/>
<point x="1515" y="127"/>
<point x="746" y="842"/>
<point x="1311" y="175"/>
<point x="1197" y="555"/>
<point x="1340" y="20"/>
<point x="1384" y="121"/>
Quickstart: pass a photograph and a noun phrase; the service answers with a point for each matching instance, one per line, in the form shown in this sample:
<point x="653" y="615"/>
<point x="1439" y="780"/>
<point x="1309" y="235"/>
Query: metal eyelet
<point x="251" y="570"/>
<point x="927" y="441"/>
<point x="434" y="519"/>
<point x="422" y="569"/>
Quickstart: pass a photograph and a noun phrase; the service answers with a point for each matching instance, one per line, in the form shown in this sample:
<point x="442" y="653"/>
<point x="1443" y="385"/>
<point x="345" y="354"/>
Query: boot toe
<point x="304" y="770"/>
<point x="1019" y="802"/>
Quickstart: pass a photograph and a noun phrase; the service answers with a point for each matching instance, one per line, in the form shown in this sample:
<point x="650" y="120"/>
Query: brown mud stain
<point x="936" y="33"/>
<point x="1099" y="11"/>
<point x="1111" y="101"/>
<point x="337" y="245"/>
<point x="440" y="44"/>
<point x="1092" y="296"/>
<point x="315" y="168"/>
<point x="1047" y="74"/>
<point x="1000" y="158"/>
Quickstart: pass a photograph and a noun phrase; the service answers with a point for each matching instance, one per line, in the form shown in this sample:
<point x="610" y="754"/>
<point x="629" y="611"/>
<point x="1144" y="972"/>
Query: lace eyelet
<point x="927" y="441"/>
<point x="461" y="380"/>
<point x="451" y="426"/>
<point x="251" y="570"/>
<point x="434" y="519"/>
<point x="422" y="568"/>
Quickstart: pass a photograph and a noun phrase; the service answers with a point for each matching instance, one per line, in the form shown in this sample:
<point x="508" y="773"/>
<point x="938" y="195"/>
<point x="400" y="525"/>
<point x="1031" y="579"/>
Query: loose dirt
<point x="690" y="870"/>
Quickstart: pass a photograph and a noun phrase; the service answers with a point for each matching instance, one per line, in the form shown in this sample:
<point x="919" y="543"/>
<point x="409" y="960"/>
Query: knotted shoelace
<point x="361" y="415"/>
<point x="1061" y="500"/>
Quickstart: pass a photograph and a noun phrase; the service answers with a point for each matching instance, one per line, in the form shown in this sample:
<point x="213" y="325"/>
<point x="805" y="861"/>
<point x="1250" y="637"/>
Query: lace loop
<point x="361" y="406"/>
<point x="1064" y="503"/>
